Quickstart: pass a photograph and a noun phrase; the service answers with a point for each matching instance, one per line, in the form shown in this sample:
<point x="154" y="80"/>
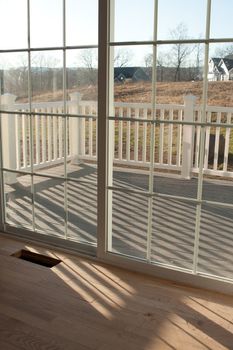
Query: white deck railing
<point x="176" y="145"/>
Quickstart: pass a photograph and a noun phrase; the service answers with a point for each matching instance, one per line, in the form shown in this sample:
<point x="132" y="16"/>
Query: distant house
<point x="121" y="74"/>
<point x="221" y="69"/>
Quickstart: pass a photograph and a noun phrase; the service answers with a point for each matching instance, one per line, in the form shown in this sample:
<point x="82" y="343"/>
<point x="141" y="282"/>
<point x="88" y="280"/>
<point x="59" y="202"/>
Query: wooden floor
<point x="173" y="228"/>
<point x="81" y="304"/>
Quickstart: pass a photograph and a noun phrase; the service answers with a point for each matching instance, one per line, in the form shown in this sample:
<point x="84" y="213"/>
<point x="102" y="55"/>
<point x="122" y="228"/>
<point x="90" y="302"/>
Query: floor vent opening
<point x="36" y="258"/>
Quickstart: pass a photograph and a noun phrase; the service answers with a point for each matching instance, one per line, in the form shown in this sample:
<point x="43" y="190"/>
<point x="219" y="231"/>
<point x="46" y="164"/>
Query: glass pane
<point x="49" y="206"/>
<point x="82" y="212"/>
<point x="18" y="201"/>
<point x="218" y="154"/>
<point x="218" y="149"/>
<point x="179" y="94"/>
<point x="220" y="75"/>
<point x="179" y="72"/>
<point x="14" y="80"/>
<point x="48" y="142"/>
<point x="218" y="189"/>
<point x="216" y="245"/>
<point x="13" y="24"/>
<point x="173" y="232"/>
<point x="221" y="12"/>
<point x="218" y="160"/>
<point x="47" y="78"/>
<point x="132" y="74"/>
<point x="130" y="151"/>
<point x="50" y="14"/>
<point x="128" y="15"/>
<point x="82" y="75"/>
<point x="181" y="19"/>
<point x="129" y="224"/>
<point x="81" y="17"/>
<point x="82" y="146"/>
<point x="16" y="141"/>
<point x="176" y="154"/>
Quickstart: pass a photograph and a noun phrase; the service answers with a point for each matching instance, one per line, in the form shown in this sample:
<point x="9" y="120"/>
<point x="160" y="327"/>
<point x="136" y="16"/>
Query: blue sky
<point x="133" y="21"/>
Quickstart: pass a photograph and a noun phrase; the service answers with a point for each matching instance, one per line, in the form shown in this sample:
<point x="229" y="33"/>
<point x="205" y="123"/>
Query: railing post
<point x="188" y="137"/>
<point x="76" y="129"/>
<point x="9" y="151"/>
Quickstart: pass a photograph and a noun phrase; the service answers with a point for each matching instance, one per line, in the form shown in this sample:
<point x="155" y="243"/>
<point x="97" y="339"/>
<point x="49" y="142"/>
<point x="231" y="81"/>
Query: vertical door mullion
<point x="152" y="138"/>
<point x="31" y="135"/>
<point x="103" y="112"/>
<point x="202" y="142"/>
<point x="65" y="122"/>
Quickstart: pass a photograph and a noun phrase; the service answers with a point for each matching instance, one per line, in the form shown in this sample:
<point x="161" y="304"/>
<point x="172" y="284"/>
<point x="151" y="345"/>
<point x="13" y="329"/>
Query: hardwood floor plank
<point x="81" y="304"/>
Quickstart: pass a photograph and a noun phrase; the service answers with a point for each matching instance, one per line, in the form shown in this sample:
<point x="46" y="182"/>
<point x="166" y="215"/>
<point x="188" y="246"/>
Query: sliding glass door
<point x="169" y="155"/>
<point x="116" y="129"/>
<point x="49" y="77"/>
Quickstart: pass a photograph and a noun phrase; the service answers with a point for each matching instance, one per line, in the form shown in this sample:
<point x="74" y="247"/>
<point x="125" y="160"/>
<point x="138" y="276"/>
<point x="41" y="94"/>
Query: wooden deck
<point x="173" y="226"/>
<point x="83" y="305"/>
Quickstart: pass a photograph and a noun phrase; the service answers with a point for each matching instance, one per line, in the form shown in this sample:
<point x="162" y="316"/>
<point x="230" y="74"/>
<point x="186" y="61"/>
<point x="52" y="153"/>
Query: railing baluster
<point x="120" y="130"/>
<point x="207" y="141"/>
<point x="55" y="155"/>
<point x="96" y="141"/>
<point x="136" y="133"/>
<point x="161" y="138"/>
<point x="144" y="136"/>
<point x="18" y="141"/>
<point x="49" y="129"/>
<point x="179" y="138"/>
<point x="197" y="141"/>
<point x="128" y="135"/>
<point x="170" y="130"/>
<point x="82" y="132"/>
<point x="43" y="136"/>
<point x="37" y="139"/>
<point x="90" y="131"/>
<point x="216" y="146"/>
<point x="24" y="139"/>
<point x="60" y="136"/>
<point x="227" y="143"/>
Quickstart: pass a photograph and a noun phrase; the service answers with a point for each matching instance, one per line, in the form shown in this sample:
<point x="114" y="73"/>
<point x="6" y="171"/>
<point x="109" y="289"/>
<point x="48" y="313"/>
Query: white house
<point x="221" y="68"/>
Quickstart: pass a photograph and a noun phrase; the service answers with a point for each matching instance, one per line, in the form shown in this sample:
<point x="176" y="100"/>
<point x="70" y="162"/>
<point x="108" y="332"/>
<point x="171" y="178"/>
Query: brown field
<point x="219" y="93"/>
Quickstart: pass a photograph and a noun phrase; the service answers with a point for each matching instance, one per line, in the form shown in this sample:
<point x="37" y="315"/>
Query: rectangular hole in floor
<point x="36" y="258"/>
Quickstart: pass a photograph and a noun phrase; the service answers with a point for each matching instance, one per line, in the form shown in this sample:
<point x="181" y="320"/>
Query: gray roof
<point x="216" y="60"/>
<point x="129" y="72"/>
<point x="228" y="62"/>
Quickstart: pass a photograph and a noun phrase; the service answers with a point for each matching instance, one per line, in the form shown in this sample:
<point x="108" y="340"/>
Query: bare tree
<point x="45" y="73"/>
<point x="148" y="60"/>
<point x="199" y="61"/>
<point x="225" y="50"/>
<point x="14" y="76"/>
<point x="88" y="60"/>
<point x="161" y="63"/>
<point x="122" y="58"/>
<point x="179" y="51"/>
